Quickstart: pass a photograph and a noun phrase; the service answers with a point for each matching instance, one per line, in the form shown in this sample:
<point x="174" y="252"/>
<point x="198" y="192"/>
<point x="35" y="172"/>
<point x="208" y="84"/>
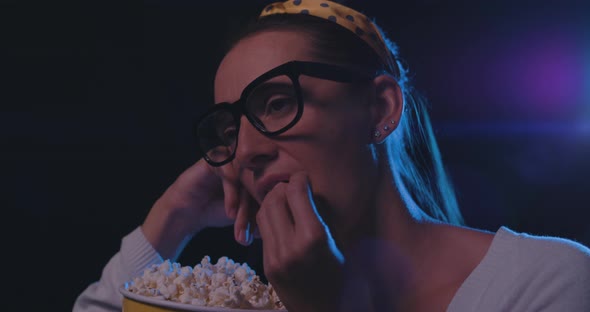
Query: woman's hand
<point x="202" y="196"/>
<point x="301" y="260"/>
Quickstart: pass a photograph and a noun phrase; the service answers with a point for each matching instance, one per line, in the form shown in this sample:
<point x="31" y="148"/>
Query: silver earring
<point x="393" y="122"/>
<point x="377" y="133"/>
<point x="386" y="128"/>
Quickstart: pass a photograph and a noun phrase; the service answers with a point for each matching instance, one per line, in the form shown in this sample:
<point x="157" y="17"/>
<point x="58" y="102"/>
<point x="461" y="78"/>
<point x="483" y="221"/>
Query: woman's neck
<point x="394" y="243"/>
<point x="387" y="217"/>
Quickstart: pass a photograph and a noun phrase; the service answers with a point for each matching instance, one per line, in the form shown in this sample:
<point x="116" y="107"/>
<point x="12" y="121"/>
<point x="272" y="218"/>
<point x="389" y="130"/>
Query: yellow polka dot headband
<point x="344" y="16"/>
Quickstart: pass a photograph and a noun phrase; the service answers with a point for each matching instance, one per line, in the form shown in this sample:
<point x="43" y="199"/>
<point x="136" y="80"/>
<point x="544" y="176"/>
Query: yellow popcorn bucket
<point x="133" y="302"/>
<point x="130" y="305"/>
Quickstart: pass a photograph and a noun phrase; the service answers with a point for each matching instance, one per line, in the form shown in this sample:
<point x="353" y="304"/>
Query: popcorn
<point x="225" y="284"/>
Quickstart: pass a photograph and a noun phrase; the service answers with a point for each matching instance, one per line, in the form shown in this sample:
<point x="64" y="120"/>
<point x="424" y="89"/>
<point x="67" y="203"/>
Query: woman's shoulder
<point x="546" y="271"/>
<point x="543" y="249"/>
<point x="528" y="272"/>
<point x="529" y="261"/>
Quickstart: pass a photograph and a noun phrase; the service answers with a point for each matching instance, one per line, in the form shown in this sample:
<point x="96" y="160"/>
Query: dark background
<point x="98" y="100"/>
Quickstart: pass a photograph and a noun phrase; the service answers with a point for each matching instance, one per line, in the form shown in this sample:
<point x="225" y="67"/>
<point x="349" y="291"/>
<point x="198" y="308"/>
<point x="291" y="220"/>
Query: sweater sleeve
<point x="103" y="295"/>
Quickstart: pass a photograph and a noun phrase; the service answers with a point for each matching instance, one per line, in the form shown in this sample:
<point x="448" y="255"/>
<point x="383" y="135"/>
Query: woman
<point x="319" y="147"/>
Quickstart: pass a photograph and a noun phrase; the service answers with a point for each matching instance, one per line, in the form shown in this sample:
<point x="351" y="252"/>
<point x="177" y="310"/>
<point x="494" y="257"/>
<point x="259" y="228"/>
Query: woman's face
<point x="330" y="143"/>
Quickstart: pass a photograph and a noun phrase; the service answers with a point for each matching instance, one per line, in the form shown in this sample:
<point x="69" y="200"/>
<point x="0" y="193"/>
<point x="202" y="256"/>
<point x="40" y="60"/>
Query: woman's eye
<point x="276" y="105"/>
<point x="229" y="135"/>
<point x="279" y="104"/>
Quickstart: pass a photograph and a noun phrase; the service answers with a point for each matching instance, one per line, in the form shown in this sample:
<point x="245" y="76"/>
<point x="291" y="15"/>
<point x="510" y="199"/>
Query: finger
<point x="231" y="189"/>
<point x="300" y="201"/>
<point x="308" y="222"/>
<point x="263" y="226"/>
<point x="272" y="247"/>
<point x="278" y="214"/>
<point x="231" y="198"/>
<point x="245" y="221"/>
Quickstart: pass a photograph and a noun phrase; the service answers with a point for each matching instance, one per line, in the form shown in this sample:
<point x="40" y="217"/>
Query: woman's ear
<point x="388" y="107"/>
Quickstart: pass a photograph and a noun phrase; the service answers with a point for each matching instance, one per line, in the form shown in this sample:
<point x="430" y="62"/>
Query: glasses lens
<point x="217" y="135"/>
<point x="273" y="104"/>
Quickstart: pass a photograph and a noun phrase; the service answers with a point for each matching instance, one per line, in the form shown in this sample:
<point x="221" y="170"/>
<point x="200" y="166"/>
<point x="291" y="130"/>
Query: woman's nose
<point x="254" y="149"/>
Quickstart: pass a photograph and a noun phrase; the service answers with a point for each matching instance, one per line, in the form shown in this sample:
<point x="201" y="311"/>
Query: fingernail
<point x="247" y="235"/>
<point x="241" y="237"/>
<point x="250" y="237"/>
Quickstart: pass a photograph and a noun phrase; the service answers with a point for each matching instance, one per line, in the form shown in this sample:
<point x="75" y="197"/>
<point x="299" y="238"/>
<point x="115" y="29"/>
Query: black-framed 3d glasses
<point x="272" y="103"/>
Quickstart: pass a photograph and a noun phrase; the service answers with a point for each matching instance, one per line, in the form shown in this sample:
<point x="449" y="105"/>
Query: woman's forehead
<point x="255" y="55"/>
